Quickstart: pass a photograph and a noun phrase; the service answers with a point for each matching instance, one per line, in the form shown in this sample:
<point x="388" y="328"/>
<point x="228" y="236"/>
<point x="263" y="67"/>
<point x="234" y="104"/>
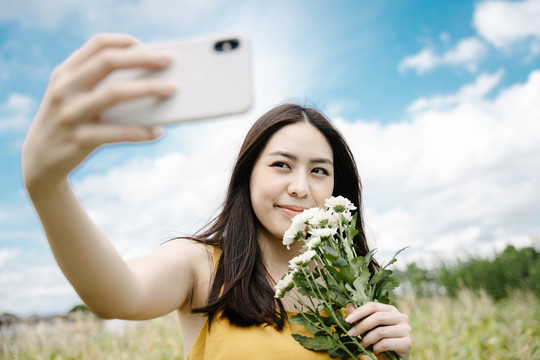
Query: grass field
<point x="471" y="326"/>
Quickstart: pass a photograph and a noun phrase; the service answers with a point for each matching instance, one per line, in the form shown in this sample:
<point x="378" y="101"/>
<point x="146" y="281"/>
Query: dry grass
<point x="472" y="326"/>
<point x="86" y="337"/>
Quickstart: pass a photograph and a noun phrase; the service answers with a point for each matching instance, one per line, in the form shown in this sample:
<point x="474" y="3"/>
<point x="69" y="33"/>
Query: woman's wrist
<point x="40" y="190"/>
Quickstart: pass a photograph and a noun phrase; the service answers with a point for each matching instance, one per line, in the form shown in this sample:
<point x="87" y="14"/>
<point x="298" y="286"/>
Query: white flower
<point x="320" y="220"/>
<point x="314" y="242"/>
<point x="288" y="238"/>
<point x="292" y="264"/>
<point x="320" y="235"/>
<point x="285" y="284"/>
<point x="347" y="215"/>
<point x="303" y="259"/>
<point x="339" y="204"/>
<point x="306" y="215"/>
<point x="293" y="234"/>
<point x="333" y="218"/>
<point x="323" y="233"/>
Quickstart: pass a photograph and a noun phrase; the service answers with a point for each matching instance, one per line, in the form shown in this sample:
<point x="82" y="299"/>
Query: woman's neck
<point x="275" y="255"/>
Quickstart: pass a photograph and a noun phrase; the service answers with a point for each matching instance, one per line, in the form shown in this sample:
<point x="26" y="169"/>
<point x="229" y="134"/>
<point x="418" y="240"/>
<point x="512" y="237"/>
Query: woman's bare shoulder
<point x="186" y="250"/>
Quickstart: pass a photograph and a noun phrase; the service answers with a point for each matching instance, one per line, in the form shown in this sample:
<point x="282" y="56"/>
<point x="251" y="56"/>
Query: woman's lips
<point x="291" y="210"/>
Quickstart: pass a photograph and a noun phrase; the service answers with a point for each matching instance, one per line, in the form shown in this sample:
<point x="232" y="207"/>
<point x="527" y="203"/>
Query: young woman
<point x="220" y="281"/>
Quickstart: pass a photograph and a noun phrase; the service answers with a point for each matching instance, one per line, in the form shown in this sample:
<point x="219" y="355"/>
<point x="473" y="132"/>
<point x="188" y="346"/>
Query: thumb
<point x="350" y="308"/>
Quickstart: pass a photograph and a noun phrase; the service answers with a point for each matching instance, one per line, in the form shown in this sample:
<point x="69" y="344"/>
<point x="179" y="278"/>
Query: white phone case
<point x="212" y="76"/>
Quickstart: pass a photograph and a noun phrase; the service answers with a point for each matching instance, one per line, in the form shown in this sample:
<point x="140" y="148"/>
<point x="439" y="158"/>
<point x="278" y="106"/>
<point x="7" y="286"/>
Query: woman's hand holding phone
<point x="68" y="124"/>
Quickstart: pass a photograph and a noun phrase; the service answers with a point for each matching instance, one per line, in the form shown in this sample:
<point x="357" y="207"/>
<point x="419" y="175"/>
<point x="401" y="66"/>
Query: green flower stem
<point x="392" y="355"/>
<point x="301" y="302"/>
<point x="323" y="327"/>
<point x="329" y="307"/>
<point x="321" y="322"/>
<point x="323" y="276"/>
<point x="349" y="249"/>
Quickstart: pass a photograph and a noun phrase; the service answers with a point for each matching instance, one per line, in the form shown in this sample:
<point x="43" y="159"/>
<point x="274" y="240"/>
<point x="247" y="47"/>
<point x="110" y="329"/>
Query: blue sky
<point x="440" y="101"/>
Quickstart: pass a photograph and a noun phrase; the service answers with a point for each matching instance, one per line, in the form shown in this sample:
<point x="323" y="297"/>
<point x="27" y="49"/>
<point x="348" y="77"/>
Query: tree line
<point x="509" y="271"/>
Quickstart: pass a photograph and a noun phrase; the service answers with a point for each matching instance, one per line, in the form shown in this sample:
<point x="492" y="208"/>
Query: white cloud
<point x="483" y="85"/>
<point x="7" y="255"/>
<point x="15" y="113"/>
<point x="35" y="12"/>
<point x="466" y="53"/>
<point x="31" y="282"/>
<point x="422" y="62"/>
<point x="503" y="23"/>
<point x="52" y="14"/>
<point x="499" y="23"/>
<point x="460" y="176"/>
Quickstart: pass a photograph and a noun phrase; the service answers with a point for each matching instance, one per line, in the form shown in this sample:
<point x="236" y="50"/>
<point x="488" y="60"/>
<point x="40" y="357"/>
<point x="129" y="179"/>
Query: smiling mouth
<point x="291" y="210"/>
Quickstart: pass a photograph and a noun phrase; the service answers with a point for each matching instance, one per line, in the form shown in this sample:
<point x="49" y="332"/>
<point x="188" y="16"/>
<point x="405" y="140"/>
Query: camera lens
<point x="226" y="45"/>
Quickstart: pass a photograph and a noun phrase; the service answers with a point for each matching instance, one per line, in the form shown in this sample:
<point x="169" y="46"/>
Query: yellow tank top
<point x="225" y="341"/>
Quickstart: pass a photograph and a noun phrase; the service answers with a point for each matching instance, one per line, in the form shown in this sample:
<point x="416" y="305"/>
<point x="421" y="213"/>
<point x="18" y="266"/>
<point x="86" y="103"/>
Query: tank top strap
<point x="216" y="255"/>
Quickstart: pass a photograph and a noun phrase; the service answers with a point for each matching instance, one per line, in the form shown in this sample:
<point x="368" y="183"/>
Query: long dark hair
<point x="242" y="289"/>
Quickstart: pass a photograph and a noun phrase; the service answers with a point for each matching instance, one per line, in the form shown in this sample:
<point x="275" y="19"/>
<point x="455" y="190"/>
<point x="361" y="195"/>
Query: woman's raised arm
<point x="66" y="129"/>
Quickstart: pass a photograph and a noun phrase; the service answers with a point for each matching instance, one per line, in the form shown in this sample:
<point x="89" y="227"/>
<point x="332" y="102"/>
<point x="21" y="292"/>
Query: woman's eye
<point x="280" y="164"/>
<point x="320" y="171"/>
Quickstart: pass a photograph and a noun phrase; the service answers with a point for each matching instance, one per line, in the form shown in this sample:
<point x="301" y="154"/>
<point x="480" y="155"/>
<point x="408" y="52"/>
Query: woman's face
<point x="294" y="172"/>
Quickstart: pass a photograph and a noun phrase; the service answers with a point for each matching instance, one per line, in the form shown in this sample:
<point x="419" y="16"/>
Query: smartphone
<point x="212" y="75"/>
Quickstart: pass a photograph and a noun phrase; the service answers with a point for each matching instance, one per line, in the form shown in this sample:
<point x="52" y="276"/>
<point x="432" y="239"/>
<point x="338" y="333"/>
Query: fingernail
<point x="352" y="332"/>
<point x="348" y="319"/>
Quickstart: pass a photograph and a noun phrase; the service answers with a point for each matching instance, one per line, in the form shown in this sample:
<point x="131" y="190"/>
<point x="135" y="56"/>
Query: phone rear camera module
<point x="226" y="45"/>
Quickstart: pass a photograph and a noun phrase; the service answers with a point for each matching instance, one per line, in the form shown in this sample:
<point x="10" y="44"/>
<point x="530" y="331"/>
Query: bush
<point x="509" y="271"/>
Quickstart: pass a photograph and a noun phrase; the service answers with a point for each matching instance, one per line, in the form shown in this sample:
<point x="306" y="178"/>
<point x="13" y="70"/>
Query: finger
<point x="90" y="105"/>
<point x="366" y="310"/>
<point x="385" y="332"/>
<point x="377" y="319"/>
<point x="108" y="60"/>
<point x="105" y="97"/>
<point x="92" y="136"/>
<point x="402" y="346"/>
<point x="96" y="44"/>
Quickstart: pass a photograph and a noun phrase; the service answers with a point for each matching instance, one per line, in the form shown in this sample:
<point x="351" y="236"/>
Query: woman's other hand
<point x="385" y="328"/>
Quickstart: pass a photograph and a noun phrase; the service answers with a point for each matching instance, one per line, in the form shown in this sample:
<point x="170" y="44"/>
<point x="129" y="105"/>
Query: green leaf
<point x="318" y="343"/>
<point x="359" y="294"/>
<point x="311" y="288"/>
<point x="347" y="273"/>
<point x="340" y="262"/>
<point x="351" y="232"/>
<point x="361" y="281"/>
<point x="359" y="264"/>
<point x="307" y="321"/>
<point x="329" y="253"/>
<point x="298" y="337"/>
<point x="353" y="221"/>
<point x="332" y="270"/>
<point x="338" y="296"/>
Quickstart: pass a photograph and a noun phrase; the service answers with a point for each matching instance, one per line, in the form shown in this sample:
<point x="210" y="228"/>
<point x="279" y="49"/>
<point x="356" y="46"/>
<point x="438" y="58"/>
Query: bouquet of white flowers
<point x="330" y="275"/>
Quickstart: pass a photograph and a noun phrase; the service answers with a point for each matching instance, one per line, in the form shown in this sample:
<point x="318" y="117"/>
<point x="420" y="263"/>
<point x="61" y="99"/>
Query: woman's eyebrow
<point x="293" y="157"/>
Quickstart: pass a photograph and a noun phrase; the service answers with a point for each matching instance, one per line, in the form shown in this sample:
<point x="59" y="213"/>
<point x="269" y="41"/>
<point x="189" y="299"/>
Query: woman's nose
<point x="298" y="186"/>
